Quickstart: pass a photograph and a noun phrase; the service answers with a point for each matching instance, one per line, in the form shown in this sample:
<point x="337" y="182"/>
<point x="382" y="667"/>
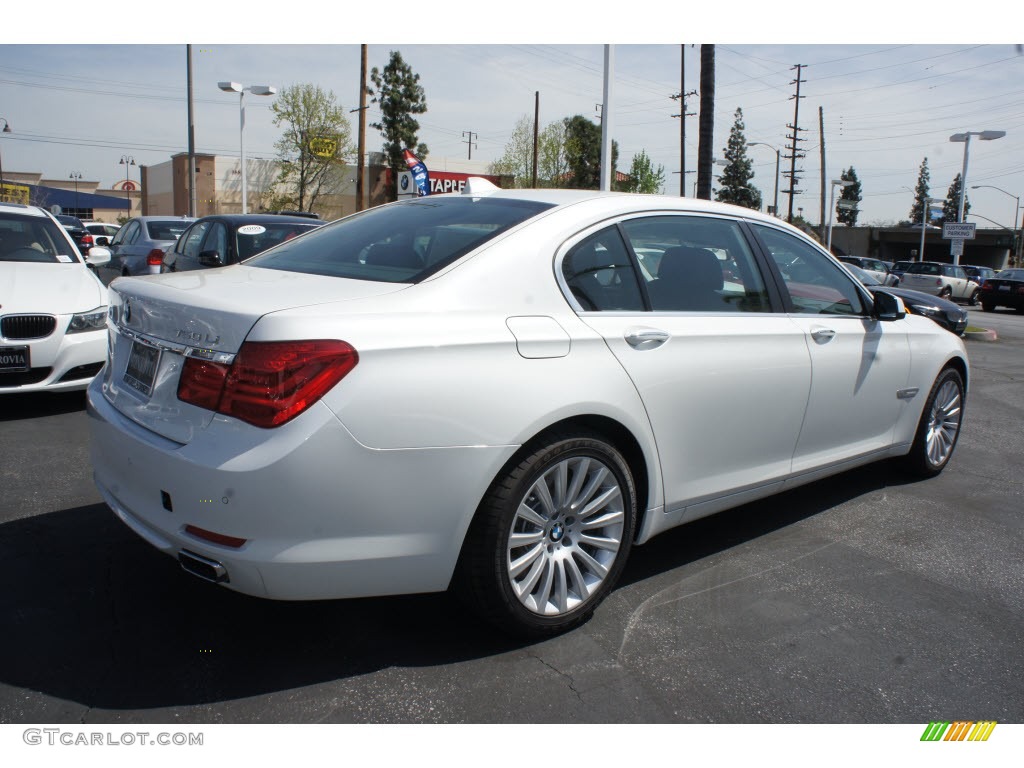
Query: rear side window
<point x="600" y="274"/>
<point x="402" y="242"/>
<point x="696" y="264"/>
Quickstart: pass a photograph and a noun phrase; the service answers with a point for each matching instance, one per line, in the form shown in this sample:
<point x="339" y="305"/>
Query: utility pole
<point x="706" y="122"/>
<point x="683" y="95"/>
<point x="470" y="142"/>
<point x="191" y="137"/>
<point x="821" y="134"/>
<point x="361" y="151"/>
<point x="607" y="172"/>
<point x="794" y="138"/>
<point x="536" y="134"/>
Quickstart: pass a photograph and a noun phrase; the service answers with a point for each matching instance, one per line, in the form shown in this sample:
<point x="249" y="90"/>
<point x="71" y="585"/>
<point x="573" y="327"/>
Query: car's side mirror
<point x="211" y="259"/>
<point x="101" y="240"/>
<point x="889" y="307"/>
<point x="97" y="256"/>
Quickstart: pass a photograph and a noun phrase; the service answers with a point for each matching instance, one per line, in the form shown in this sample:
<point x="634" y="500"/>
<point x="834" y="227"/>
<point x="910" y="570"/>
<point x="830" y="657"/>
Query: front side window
<point x="189" y="243"/>
<point x="696" y="264"/>
<point x="217" y="241"/>
<point x="815" y="284"/>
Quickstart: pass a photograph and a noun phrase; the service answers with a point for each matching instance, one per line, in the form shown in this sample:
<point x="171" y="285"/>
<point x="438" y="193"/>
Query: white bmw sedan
<point x="53" y="309"/>
<point x="502" y="392"/>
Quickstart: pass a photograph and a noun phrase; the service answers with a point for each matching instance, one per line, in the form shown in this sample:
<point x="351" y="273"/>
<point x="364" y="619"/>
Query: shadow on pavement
<point x="30" y="405"/>
<point x="94" y="615"/>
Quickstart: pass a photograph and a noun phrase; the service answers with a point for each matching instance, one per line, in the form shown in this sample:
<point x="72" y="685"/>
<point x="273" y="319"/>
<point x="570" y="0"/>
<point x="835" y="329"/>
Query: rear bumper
<point x="322" y="516"/>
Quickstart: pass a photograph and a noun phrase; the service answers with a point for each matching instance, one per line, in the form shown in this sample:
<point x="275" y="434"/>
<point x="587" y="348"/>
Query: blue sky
<point x="889" y="100"/>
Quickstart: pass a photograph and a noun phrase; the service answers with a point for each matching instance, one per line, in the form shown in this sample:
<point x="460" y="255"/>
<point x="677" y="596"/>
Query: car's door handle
<point x="646" y="338"/>
<point x="823" y="335"/>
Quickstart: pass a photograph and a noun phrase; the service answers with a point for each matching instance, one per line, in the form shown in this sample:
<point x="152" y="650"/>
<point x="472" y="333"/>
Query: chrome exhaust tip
<point x="203" y="567"/>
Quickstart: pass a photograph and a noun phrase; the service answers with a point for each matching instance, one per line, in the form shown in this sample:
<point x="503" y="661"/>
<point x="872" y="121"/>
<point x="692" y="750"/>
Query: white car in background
<point x="487" y="391"/>
<point x="948" y="281"/>
<point x="52" y="307"/>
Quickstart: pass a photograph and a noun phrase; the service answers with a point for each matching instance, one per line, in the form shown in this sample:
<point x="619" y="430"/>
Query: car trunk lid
<point x="155" y="323"/>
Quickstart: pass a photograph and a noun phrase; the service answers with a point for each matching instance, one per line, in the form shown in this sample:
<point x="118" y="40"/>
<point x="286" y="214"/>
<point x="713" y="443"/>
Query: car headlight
<point x="94" y="320"/>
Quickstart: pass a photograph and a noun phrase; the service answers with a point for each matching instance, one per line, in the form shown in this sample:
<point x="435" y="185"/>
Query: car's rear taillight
<point x="986" y="286"/>
<point x="938" y="282"/>
<point x="155" y="258"/>
<point x="270" y="382"/>
<point x="87" y="241"/>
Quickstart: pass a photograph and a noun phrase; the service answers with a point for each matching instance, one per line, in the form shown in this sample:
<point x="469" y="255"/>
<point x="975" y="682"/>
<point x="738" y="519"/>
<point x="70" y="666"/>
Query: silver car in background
<point x="139" y="246"/>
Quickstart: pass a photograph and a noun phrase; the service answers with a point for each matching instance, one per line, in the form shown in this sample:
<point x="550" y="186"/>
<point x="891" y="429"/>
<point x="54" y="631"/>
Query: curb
<point x="982" y="335"/>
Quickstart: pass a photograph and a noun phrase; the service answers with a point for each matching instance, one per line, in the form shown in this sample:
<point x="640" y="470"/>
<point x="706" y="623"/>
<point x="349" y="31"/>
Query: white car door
<point x="861" y="365"/>
<point x="724" y="379"/>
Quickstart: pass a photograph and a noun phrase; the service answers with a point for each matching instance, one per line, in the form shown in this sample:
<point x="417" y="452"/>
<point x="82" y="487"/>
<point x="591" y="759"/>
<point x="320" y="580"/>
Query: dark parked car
<point x="950" y="316"/>
<point x="1006" y="289"/>
<point x="978" y="274"/>
<point x="900" y="267"/>
<point x="81" y="235"/>
<point x="216" y="241"/>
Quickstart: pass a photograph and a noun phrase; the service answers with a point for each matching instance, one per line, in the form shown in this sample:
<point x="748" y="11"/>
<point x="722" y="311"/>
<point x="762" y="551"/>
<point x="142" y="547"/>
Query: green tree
<point x="951" y="205"/>
<point x="583" y="153"/>
<point x="921" y="193"/>
<point x="552" y="161"/>
<point x="313" y="145"/>
<point x="734" y="183"/>
<point x="397" y="90"/>
<point x="848" y="216"/>
<point x="643" y="177"/>
<point x="517" y="159"/>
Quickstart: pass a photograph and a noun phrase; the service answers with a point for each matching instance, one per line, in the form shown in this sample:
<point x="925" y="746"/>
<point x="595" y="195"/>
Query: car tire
<point x="939" y="428"/>
<point x="946" y="293"/>
<point x="551" y="537"/>
<point x="973" y="301"/>
<point x="988" y="307"/>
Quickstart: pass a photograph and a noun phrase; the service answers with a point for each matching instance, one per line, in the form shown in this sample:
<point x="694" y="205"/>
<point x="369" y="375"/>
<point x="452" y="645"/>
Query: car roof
<point x="28" y="210"/>
<point x="262" y="218"/>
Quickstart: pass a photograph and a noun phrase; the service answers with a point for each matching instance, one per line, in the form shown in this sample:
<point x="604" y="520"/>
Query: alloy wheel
<point x="565" y="535"/>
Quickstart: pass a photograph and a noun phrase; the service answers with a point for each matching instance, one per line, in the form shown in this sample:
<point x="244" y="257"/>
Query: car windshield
<point x="861" y="275"/>
<point x="1011" y="274"/>
<point x="166" y="230"/>
<point x="33" y="238"/>
<point x="403" y="242"/>
<point x="924" y="268"/>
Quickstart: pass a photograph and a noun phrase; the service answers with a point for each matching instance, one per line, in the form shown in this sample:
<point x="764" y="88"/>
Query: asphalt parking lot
<point x="864" y="598"/>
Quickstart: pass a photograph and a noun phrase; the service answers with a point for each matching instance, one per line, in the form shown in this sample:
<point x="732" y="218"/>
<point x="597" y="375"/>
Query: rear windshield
<point x="922" y="268"/>
<point x="257" y="238"/>
<point x="33" y="238"/>
<point x="166" y="230"/>
<point x="400" y="243"/>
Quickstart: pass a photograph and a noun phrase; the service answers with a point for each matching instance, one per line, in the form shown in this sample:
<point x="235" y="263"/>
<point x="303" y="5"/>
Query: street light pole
<point x="6" y="129"/>
<point x="832" y="206"/>
<point x="966" y="139"/>
<point x="255" y="90"/>
<point x="1016" y="211"/>
<point x="926" y="205"/>
<point x="775" y="205"/>
<point x="76" y="175"/>
<point x="127" y="161"/>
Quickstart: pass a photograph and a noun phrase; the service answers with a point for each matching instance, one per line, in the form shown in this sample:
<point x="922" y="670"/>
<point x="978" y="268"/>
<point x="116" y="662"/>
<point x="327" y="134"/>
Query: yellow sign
<point x="13" y="193"/>
<point x="323" y="146"/>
